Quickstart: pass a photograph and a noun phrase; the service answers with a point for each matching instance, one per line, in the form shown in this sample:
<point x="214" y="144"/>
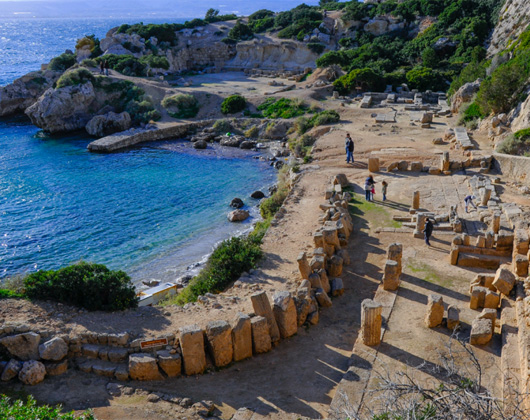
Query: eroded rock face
<point x="25" y="91"/>
<point x="64" y="109"/>
<point x="464" y="94"/>
<point x="514" y="19"/>
<point x="22" y="346"/>
<point x="103" y="125"/>
<point x="32" y="372"/>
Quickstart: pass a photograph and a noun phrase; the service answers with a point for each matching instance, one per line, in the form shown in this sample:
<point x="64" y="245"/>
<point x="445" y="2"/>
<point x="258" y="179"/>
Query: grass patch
<point x="429" y="274"/>
<point x="372" y="212"/>
<point x="19" y="410"/>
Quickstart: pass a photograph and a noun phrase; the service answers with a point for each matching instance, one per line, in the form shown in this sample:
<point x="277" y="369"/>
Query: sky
<point x="122" y="8"/>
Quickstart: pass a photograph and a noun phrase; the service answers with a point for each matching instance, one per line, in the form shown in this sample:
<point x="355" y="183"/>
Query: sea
<point x="154" y="211"/>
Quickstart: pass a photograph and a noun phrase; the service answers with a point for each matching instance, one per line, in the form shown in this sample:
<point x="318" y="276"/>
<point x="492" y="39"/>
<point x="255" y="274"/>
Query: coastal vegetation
<point x="283" y="108"/>
<point x="26" y="410"/>
<point x="85" y="285"/>
<point x="516" y="144"/>
<point x="75" y="77"/>
<point x="233" y="104"/>
<point x="181" y="106"/>
<point x="429" y="56"/>
<point x="92" y="43"/>
<point x="62" y="62"/>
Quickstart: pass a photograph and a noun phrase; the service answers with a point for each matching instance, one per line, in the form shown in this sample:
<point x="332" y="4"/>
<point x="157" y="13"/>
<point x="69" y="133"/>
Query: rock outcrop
<point x="110" y="123"/>
<point x="464" y="94"/>
<point x="64" y="109"/>
<point x="22" y="346"/>
<point x="25" y="91"/>
<point x="513" y="20"/>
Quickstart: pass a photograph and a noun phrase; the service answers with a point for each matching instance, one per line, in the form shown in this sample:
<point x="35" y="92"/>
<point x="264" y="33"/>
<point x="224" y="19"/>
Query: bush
<point x="86" y="285"/>
<point x="301" y="147"/>
<point x="75" y="77"/>
<point x="181" y="106"/>
<point x="92" y="42"/>
<point x="89" y="62"/>
<point x="366" y="79"/>
<point x="471" y="113"/>
<point x="423" y="78"/>
<point x="233" y="104"/>
<point x="155" y="61"/>
<point x="325" y="117"/>
<point x="62" y="62"/>
<point x="20" y="410"/>
<point x="252" y="132"/>
<point x="516" y="144"/>
<point x="231" y="258"/>
<point x="316" y="47"/>
<point x="282" y="108"/>
<point x="240" y="32"/>
<point x="9" y="294"/>
<point x="222" y="126"/>
<point x="142" y="111"/>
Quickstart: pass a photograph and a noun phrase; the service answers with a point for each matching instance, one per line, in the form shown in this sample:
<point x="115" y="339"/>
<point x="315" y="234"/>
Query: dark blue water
<point x="150" y="211"/>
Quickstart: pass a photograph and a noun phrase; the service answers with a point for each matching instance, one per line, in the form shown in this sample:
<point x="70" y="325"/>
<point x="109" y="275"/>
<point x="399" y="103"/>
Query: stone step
<point x="487" y="262"/>
<point x="119" y="371"/>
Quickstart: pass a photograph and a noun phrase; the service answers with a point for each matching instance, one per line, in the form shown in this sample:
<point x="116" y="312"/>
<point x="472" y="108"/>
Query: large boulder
<point x="11" y="370"/>
<point x="32" y="372"/>
<point x="464" y="94"/>
<point x="143" y="367"/>
<point x="22" y="346"/>
<point x="25" y="91"/>
<point x="377" y="26"/>
<point x="65" y="109"/>
<point x="54" y="349"/>
<point x="238" y="215"/>
<point x="237" y="203"/>
<point x="103" y="125"/>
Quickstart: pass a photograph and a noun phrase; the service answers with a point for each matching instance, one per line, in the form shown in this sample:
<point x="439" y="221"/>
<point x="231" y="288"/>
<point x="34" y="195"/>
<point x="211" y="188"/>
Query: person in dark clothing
<point x="101" y="67"/>
<point x="427" y="231"/>
<point x="106" y="68"/>
<point x="368" y="186"/>
<point x="349" y="148"/>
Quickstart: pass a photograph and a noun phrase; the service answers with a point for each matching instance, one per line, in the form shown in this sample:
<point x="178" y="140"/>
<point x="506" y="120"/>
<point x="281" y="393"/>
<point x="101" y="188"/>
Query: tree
<point x="429" y="57"/>
<point x="211" y="14"/>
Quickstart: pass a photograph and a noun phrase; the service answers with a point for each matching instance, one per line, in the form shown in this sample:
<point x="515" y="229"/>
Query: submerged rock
<point x="237" y="203"/>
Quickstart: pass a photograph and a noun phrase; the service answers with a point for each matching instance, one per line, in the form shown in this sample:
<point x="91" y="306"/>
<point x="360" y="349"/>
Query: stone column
<point x="261" y="339"/>
<point x="435" y="311"/>
<point x="242" y="337"/>
<point x="303" y="265"/>
<point x="220" y="345"/>
<point x="262" y="307"/>
<point x="394" y="252"/>
<point x="285" y="313"/>
<point x="415" y="202"/>
<point x="421" y="218"/>
<point x="192" y="344"/>
<point x="391" y="275"/>
<point x="446" y="163"/>
<point x="373" y="164"/>
<point x="496" y="222"/>
<point x="371" y="321"/>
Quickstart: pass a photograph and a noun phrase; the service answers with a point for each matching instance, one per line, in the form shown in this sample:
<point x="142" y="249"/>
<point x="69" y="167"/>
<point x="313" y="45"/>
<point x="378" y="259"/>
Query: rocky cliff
<point x="513" y="20"/>
<point x="25" y="91"/>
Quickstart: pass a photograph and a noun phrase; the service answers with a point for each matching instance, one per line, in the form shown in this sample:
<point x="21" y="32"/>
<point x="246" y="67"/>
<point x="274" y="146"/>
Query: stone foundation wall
<point x="515" y="167"/>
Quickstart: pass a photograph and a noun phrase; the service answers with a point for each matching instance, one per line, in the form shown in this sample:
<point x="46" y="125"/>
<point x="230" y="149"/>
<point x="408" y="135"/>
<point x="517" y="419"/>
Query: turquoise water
<point x="151" y="211"/>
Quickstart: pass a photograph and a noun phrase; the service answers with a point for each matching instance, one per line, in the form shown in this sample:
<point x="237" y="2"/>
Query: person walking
<point x="106" y="68"/>
<point x="384" y="186"/>
<point x="469" y="200"/>
<point x="427" y="231"/>
<point x="101" y="67"/>
<point x="368" y="185"/>
<point x="349" y="148"/>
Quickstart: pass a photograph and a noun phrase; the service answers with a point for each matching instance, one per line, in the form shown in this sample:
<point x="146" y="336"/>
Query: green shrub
<point x="9" y="294"/>
<point x="89" y="62"/>
<point x="222" y="126"/>
<point x="155" y="61"/>
<point x="471" y="113"/>
<point x="269" y="206"/>
<point x="282" y="108"/>
<point x="125" y="64"/>
<point x="516" y="144"/>
<point x="233" y="104"/>
<point x="29" y="410"/>
<point x="252" y="132"/>
<point x="316" y="47"/>
<point x="92" y="42"/>
<point x="231" y="258"/>
<point x="75" y="77"/>
<point x="367" y="79"/>
<point x="86" y="285"/>
<point x="142" y="111"/>
<point x="424" y="78"/>
<point x="325" y="117"/>
<point x="62" y="62"/>
<point x="181" y="106"/>
<point x="302" y="124"/>
<point x="240" y="32"/>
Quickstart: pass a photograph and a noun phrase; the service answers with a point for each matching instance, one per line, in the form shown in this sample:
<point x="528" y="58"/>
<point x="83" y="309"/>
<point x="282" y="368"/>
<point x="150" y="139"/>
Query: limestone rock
<point x="503" y="282"/>
<point x="337" y="287"/>
<point x="377" y="26"/>
<point x="25" y="91"/>
<point x="121" y="373"/>
<point x="191" y="340"/>
<point x="103" y="125"/>
<point x="520" y="265"/>
<point x="56" y="369"/>
<point x="54" y="349"/>
<point x="11" y="370"/>
<point x="117" y="354"/>
<point x="200" y="145"/>
<point x="64" y="109"/>
<point x="238" y="215"/>
<point x="453" y="317"/>
<point x="219" y="339"/>
<point x="143" y="367"/>
<point x="478" y="295"/>
<point x="242" y="337"/>
<point x="488" y="313"/>
<point x="481" y="331"/>
<point x="463" y="95"/>
<point x="285" y="314"/>
<point x="22" y="346"/>
<point x="491" y="300"/>
<point x="323" y="298"/>
<point x="261" y="338"/>
<point x="340" y="179"/>
<point x="32" y="372"/>
<point x="371" y="322"/>
<point x="435" y="311"/>
<point x="171" y="364"/>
